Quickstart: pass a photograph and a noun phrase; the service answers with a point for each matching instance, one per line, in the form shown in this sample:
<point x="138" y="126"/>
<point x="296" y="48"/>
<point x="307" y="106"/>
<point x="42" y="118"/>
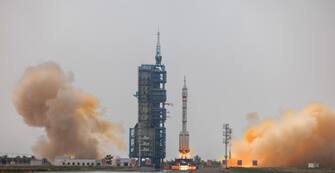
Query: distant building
<point x="209" y="163"/>
<point x="39" y="162"/>
<point x="254" y="163"/>
<point x="22" y="161"/>
<point x="118" y="161"/>
<point x="68" y="161"/>
<point x="239" y="162"/>
<point x="313" y="165"/>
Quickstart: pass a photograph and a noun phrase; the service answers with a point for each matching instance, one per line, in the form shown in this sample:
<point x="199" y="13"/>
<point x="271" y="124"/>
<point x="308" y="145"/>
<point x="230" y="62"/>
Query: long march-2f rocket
<point x="184" y="148"/>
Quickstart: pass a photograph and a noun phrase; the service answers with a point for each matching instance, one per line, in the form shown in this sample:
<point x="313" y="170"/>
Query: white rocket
<point x="184" y="148"/>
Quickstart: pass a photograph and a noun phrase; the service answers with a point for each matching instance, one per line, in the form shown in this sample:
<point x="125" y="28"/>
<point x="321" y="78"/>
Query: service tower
<point x="147" y="140"/>
<point x="184" y="148"/>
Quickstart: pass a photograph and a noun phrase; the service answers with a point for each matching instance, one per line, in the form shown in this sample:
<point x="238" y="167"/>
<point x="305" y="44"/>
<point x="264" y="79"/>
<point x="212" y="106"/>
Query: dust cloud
<point x="46" y="98"/>
<point x="293" y="139"/>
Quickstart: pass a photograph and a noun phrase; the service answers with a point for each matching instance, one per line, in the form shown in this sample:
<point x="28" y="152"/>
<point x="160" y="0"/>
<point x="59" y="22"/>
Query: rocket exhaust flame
<point x="294" y="139"/>
<point x="45" y="98"/>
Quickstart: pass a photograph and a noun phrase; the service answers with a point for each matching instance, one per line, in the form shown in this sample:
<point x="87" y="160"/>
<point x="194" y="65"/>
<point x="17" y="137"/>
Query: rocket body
<point x="184" y="148"/>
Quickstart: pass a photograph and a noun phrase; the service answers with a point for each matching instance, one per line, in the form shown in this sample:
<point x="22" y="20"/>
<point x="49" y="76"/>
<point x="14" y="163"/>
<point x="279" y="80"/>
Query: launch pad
<point x="184" y="165"/>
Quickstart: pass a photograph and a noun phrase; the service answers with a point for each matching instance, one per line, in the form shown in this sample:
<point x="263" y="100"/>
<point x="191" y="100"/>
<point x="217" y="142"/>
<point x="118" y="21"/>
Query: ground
<point x="264" y="170"/>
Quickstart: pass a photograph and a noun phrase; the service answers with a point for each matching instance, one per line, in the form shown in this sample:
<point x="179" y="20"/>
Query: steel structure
<point x="147" y="140"/>
<point x="227" y="131"/>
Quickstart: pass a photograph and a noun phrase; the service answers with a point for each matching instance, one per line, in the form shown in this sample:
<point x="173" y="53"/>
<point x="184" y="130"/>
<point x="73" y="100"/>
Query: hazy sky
<point x="239" y="57"/>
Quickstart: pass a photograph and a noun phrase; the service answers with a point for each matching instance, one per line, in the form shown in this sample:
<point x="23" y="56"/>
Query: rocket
<point x="184" y="148"/>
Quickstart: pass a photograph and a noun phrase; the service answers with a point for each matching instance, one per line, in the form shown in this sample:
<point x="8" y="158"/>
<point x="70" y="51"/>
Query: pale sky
<point x="261" y="56"/>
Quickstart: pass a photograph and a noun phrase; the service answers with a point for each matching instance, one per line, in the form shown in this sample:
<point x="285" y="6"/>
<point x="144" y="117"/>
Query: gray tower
<point x="147" y="139"/>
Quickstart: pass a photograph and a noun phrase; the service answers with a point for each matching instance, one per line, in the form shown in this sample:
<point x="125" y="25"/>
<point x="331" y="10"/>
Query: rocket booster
<point x="184" y="135"/>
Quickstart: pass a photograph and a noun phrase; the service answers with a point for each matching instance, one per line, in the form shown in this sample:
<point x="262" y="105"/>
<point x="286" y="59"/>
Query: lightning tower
<point x="227" y="131"/>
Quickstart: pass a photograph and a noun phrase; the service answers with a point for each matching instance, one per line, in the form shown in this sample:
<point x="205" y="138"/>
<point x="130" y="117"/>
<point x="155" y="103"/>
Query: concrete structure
<point x="184" y="148"/>
<point x="68" y="161"/>
<point x="147" y="138"/>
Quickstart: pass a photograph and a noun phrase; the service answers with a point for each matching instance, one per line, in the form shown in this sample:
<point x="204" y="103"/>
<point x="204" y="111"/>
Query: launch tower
<point x="147" y="138"/>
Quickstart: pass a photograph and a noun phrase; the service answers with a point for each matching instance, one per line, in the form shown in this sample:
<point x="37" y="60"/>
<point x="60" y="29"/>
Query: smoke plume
<point x="293" y="139"/>
<point x="45" y="98"/>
